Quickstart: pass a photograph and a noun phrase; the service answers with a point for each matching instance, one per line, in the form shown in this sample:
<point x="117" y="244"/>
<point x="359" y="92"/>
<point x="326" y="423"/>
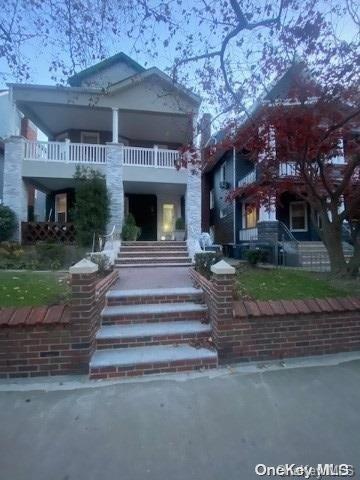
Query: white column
<point x="15" y="190"/>
<point x="340" y="159"/>
<point x="115" y="125"/>
<point x="267" y="212"/>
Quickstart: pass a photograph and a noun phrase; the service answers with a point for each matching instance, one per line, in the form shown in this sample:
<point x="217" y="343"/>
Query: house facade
<point x="282" y="226"/>
<point x="126" y="122"/>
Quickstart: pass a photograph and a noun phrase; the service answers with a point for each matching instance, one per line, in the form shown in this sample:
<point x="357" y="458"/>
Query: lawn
<point x="284" y="284"/>
<point x="18" y="289"/>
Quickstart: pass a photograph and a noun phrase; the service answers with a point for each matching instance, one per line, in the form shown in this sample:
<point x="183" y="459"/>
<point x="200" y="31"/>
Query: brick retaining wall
<point x="264" y="330"/>
<point x="37" y="341"/>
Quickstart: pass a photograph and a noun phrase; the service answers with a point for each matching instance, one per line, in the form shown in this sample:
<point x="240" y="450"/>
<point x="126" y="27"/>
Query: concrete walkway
<point x="214" y="426"/>
<point x="153" y="277"/>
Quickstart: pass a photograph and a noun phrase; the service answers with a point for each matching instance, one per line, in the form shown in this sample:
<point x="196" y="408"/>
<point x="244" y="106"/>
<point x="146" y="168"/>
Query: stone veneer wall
<point x="14" y="190"/>
<point x="193" y="210"/>
<point x="57" y="340"/>
<point x="114" y="183"/>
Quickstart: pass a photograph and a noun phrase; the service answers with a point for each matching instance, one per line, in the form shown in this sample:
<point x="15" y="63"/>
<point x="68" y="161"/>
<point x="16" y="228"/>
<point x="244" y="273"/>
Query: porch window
<point x="61" y="207"/>
<point x="222" y="173"/>
<point x="298" y="217"/>
<point x="251" y="215"/>
<point x="90" y="137"/>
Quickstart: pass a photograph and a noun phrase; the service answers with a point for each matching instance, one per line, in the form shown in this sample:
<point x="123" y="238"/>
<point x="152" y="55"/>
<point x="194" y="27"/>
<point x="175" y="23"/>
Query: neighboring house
<point x="240" y="224"/>
<point x="127" y="122"/>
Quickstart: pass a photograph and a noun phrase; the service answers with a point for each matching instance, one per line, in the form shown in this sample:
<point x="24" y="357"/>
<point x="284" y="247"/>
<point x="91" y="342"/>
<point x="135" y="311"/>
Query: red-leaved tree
<point x="308" y="144"/>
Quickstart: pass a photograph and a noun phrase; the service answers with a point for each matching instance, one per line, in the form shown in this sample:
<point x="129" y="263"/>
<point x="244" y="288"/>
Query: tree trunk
<point x="333" y="243"/>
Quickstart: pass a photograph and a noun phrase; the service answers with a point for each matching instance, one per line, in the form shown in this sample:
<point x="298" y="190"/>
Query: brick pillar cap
<point x="84" y="266"/>
<point x="222" y="268"/>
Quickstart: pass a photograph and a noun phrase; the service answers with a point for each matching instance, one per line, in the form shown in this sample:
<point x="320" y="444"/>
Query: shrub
<point x="102" y="261"/>
<point x="255" y="256"/>
<point x="8" y="222"/>
<point x="130" y="231"/>
<point x="204" y="261"/>
<point x="92" y="203"/>
<point x="180" y="224"/>
<point x="50" y="255"/>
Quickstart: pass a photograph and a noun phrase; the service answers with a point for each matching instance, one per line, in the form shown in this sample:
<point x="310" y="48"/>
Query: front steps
<point x="314" y="256"/>
<point x="149" y="254"/>
<point x="152" y="331"/>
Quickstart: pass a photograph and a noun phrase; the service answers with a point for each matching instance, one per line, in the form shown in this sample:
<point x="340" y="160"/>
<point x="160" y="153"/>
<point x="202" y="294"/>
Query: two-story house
<point x="127" y="122"/>
<point x="240" y="224"/>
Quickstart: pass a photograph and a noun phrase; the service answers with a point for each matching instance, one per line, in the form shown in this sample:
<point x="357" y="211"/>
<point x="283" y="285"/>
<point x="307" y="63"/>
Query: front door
<point x="144" y="210"/>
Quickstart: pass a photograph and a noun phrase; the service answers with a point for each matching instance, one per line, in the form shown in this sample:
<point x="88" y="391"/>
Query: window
<point x="251" y="215"/>
<point x="168" y="217"/>
<point x="61" y="207"/>
<point x="90" y="137"/>
<point x="211" y="197"/>
<point x="222" y="173"/>
<point x="298" y="217"/>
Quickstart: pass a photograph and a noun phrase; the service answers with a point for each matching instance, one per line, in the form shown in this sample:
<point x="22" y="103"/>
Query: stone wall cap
<point x="222" y="268"/>
<point x="84" y="266"/>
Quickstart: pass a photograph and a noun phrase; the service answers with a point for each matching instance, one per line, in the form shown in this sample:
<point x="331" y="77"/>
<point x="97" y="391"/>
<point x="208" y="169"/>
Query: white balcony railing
<point x="65" y="152"/>
<point x="150" y="157"/>
<point x="248" y="179"/>
<point x="89" y="153"/>
<point x="248" y="234"/>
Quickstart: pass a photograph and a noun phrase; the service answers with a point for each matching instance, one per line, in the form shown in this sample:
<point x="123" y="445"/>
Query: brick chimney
<point x="28" y="129"/>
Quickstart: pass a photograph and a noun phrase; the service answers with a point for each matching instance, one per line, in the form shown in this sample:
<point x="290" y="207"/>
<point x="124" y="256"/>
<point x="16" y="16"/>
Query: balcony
<point x="82" y="153"/>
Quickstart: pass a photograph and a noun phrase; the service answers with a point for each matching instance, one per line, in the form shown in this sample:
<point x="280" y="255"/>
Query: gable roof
<point x="154" y="71"/>
<point x="75" y="80"/>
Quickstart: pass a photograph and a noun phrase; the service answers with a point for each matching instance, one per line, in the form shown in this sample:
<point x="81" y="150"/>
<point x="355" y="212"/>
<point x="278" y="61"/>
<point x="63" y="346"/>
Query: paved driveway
<point x="215" y="427"/>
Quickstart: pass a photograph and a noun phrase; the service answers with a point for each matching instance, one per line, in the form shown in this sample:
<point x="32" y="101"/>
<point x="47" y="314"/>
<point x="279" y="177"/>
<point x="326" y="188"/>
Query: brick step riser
<point x="147" y="369"/>
<point x="153" y="318"/>
<point x="148" y="341"/>
<point x="153" y="249"/>
<point x="146" y="300"/>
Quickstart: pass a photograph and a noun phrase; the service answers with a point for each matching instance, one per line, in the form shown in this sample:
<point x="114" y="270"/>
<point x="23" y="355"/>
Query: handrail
<point x="287" y="232"/>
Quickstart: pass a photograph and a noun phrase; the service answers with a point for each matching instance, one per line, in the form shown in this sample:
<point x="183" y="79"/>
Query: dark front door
<point x="144" y="209"/>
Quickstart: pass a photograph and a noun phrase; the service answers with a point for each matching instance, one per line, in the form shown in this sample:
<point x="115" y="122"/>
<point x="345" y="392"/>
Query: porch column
<point x="114" y="183"/>
<point x="268" y="225"/>
<point x="15" y="189"/>
<point x="115" y="125"/>
<point x="193" y="210"/>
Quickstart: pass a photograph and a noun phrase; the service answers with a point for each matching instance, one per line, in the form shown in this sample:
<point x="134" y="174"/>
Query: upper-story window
<point x="211" y="199"/>
<point x="222" y="173"/>
<point x="90" y="137"/>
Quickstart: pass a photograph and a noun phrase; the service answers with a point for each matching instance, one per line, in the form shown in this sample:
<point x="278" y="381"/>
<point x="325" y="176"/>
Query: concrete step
<point x="141" y="334"/>
<point x="154" y="260"/>
<point x="160" y="248"/>
<point x="158" y="264"/>
<point x="153" y="312"/>
<point x="172" y="243"/>
<point x="126" y="362"/>
<point x="152" y="253"/>
<point x="154" y="295"/>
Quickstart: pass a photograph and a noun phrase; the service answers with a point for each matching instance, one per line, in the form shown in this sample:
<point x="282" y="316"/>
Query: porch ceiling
<point x="154" y="188"/>
<point x="133" y="125"/>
